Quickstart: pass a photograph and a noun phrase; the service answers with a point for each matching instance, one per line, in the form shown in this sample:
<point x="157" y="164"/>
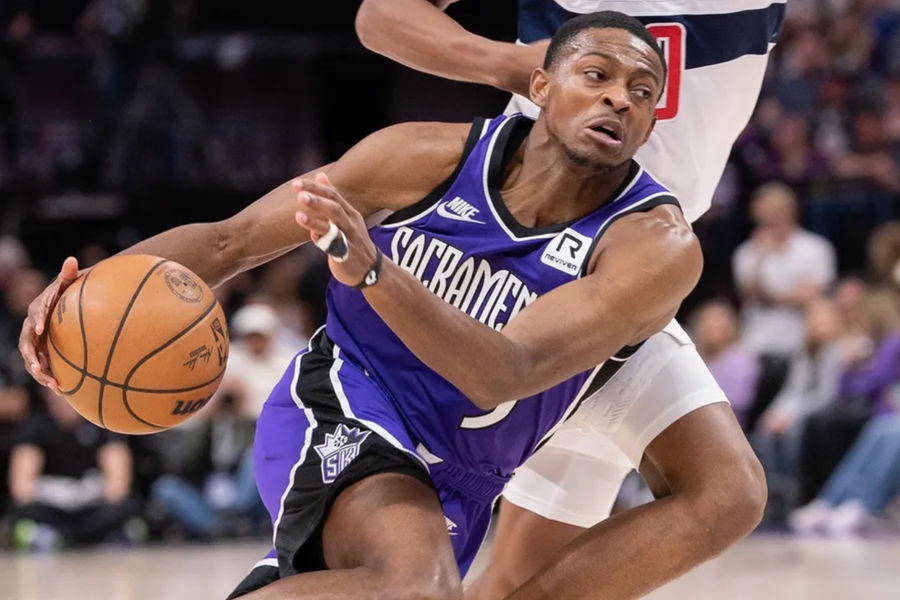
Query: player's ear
<point x="539" y="87"/>
<point x="650" y="130"/>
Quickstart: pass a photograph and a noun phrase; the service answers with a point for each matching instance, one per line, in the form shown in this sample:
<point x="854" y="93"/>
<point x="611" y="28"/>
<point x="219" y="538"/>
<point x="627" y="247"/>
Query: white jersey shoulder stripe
<point x="649" y="8"/>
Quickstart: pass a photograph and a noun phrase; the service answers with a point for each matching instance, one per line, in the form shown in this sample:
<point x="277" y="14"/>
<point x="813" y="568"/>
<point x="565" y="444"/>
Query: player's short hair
<point x="605" y="19"/>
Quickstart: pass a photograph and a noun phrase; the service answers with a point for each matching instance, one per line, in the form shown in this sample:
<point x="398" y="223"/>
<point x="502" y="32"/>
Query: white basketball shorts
<point x="575" y="477"/>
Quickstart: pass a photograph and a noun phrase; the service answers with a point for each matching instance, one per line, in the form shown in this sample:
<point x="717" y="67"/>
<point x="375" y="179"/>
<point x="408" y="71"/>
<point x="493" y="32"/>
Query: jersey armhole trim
<point x="476" y="131"/>
<point x="649" y="203"/>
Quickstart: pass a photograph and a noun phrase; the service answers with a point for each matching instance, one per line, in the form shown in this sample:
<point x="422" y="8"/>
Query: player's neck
<point x="543" y="186"/>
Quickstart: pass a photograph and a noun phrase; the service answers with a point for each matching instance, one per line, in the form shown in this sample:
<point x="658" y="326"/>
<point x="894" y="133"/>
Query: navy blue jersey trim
<point x="437" y="193"/>
<point x="644" y="207"/>
<point x="505" y="146"/>
<point x="711" y="39"/>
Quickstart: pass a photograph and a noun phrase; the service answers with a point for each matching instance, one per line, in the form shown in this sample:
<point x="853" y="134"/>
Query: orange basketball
<point x="138" y="344"/>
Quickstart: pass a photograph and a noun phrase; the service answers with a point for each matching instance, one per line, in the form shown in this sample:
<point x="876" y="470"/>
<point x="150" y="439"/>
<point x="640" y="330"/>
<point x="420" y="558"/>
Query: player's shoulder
<point x="398" y="165"/>
<point x="435" y="144"/>
<point x="661" y="232"/>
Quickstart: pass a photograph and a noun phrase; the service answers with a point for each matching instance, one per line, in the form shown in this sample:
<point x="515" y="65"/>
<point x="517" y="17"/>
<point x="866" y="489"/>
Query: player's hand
<point x="516" y="69"/>
<point x="318" y="205"/>
<point x="32" y="340"/>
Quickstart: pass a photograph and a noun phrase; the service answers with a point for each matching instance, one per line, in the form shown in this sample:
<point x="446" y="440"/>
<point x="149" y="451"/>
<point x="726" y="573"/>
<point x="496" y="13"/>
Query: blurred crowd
<point x="797" y="314"/>
<point x="64" y="481"/>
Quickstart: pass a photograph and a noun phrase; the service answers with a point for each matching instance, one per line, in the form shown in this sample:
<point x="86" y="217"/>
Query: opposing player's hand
<point x="32" y="340"/>
<point x="318" y="205"/>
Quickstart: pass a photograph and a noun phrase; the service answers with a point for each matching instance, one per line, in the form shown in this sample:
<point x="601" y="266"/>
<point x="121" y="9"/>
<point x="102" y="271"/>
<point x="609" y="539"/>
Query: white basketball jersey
<point x="716" y="52"/>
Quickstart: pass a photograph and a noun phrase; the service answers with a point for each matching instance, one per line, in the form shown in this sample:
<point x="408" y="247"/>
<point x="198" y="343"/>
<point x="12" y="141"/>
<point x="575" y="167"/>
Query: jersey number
<point x="488" y="419"/>
<point x="671" y="38"/>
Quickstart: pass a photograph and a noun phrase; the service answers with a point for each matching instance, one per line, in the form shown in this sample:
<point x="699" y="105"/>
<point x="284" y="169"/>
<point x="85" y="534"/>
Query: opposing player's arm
<point x="418" y="34"/>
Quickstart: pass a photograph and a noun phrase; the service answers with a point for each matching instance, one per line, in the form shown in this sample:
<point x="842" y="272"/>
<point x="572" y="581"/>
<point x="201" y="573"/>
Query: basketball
<point x="137" y="344"/>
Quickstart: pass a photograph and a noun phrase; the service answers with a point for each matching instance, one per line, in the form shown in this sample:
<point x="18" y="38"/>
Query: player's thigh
<point x="393" y="524"/>
<point x="662" y="383"/>
<point x="575" y="477"/>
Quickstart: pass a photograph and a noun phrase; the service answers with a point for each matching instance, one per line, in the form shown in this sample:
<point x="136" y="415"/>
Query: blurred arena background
<point x="121" y="118"/>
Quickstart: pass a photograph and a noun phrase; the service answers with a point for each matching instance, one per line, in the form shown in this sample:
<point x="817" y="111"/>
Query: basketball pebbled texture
<point x="138" y="344"/>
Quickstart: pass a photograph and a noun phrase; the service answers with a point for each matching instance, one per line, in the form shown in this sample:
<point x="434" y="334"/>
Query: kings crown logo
<point x="339" y="450"/>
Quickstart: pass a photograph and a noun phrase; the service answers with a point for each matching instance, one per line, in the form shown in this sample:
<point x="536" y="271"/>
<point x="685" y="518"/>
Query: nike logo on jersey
<point x="458" y="210"/>
<point x="451" y="526"/>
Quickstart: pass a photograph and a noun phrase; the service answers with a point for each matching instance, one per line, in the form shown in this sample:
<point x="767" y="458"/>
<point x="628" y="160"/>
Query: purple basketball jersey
<point x="463" y="244"/>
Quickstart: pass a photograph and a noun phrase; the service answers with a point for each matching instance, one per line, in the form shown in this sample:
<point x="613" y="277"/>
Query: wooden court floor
<point x="760" y="568"/>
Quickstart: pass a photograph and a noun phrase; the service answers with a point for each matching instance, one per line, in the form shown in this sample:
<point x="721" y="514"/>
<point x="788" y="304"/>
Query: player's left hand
<point x="318" y="205"/>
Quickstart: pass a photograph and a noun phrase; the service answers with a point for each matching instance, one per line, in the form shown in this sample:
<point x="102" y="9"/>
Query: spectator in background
<point x="884" y="255"/>
<point x="279" y="287"/>
<point x="714" y="328"/>
<point x="778" y="271"/>
<point x="69" y="481"/>
<point x="812" y="384"/>
<point x="23" y="287"/>
<point x="791" y="157"/>
<point x="210" y="490"/>
<point x="863" y="485"/>
<point x="13" y="259"/>
<point x="255" y="359"/>
<point x="13" y="408"/>
<point x="870" y="161"/>
<point x="870" y="374"/>
<point x="871" y="371"/>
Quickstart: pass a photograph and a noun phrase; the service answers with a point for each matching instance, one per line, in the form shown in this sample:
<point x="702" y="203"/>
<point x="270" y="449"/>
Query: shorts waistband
<point x="480" y="486"/>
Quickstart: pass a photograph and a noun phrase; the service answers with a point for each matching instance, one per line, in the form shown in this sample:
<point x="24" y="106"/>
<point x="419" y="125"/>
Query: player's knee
<point x="437" y="583"/>
<point x="732" y="505"/>
<point x="494" y="582"/>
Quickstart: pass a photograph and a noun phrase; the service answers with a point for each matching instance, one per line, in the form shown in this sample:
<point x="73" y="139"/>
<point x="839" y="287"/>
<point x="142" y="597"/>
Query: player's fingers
<point x="322" y="180"/>
<point x="68" y="273"/>
<point x="39" y="309"/>
<point x="313" y="204"/>
<point x="312" y="222"/>
<point x="46" y="373"/>
<point x="315" y="187"/>
<point x="321" y="186"/>
<point x="27" y="348"/>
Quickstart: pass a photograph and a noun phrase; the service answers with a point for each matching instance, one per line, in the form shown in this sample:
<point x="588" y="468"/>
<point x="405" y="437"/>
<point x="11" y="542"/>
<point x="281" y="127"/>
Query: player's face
<point x="599" y="101"/>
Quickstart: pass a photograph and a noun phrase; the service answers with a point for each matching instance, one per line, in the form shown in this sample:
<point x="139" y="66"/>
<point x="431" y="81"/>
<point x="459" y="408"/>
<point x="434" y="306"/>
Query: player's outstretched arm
<point x="418" y="34"/>
<point x="390" y="169"/>
<point x="638" y="277"/>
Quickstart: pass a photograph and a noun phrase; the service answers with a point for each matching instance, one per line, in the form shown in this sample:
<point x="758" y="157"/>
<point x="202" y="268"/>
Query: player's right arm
<point x="390" y="169"/>
<point x="418" y="34"/>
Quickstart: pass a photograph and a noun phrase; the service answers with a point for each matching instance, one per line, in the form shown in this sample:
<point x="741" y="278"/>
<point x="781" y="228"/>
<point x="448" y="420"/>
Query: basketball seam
<point x="160" y="348"/>
<point x="112" y="347"/>
<point x="122" y="386"/>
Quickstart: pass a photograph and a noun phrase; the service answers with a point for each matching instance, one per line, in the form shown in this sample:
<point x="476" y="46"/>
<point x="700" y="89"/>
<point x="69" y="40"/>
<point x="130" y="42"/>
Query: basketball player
<point x="717" y="54"/>
<point x="381" y="450"/>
